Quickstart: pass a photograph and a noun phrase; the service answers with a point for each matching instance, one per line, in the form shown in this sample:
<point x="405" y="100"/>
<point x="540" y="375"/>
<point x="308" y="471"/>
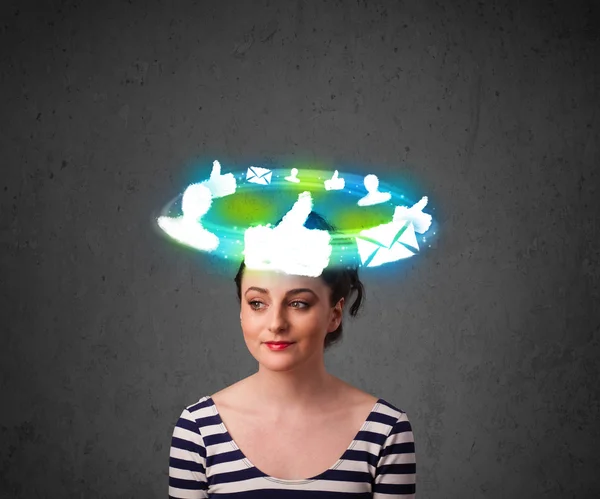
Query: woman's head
<point x="316" y="313"/>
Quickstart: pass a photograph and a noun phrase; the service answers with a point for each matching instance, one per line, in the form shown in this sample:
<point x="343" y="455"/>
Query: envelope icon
<point x="387" y="243"/>
<point x="258" y="175"/>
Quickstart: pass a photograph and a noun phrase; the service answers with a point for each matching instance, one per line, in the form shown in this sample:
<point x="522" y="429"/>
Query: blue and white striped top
<point x="205" y="462"/>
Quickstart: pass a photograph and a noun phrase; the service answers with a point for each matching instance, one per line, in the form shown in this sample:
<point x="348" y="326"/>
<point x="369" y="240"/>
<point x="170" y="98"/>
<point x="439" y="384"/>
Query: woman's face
<point x="281" y="307"/>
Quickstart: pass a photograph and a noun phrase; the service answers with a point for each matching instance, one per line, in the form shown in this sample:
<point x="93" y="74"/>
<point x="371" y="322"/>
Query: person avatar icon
<point x="220" y="185"/>
<point x="195" y="203"/>
<point x="335" y="183"/>
<point x="374" y="196"/>
<point x="293" y="177"/>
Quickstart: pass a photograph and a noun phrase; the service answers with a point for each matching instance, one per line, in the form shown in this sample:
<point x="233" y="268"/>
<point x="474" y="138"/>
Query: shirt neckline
<point x="283" y="480"/>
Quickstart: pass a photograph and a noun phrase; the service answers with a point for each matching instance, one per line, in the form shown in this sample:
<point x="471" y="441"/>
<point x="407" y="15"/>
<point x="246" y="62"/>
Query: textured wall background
<point x="489" y="341"/>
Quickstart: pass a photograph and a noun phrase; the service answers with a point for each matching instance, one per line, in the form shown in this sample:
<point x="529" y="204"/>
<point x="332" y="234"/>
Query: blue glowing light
<point x="231" y="215"/>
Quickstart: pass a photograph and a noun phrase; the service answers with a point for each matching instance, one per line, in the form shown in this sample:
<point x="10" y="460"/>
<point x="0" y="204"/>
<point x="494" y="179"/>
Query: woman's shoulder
<point x="235" y="396"/>
<point x="352" y="396"/>
<point x="361" y="399"/>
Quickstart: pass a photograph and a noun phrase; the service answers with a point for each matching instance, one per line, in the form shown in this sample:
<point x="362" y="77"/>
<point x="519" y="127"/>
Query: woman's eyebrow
<point x="301" y="290"/>
<point x="290" y="292"/>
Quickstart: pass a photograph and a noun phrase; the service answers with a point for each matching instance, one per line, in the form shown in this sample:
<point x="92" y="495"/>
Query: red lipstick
<point x="278" y="345"/>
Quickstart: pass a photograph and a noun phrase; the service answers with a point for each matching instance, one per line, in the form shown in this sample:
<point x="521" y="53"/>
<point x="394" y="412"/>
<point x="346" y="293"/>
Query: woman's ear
<point x="337" y="314"/>
<point x="340" y="305"/>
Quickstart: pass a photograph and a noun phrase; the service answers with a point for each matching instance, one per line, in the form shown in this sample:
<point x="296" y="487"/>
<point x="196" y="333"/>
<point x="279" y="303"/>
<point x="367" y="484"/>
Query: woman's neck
<point x="285" y="394"/>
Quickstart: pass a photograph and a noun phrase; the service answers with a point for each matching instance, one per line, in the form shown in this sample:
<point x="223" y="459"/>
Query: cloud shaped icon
<point x="187" y="229"/>
<point x="421" y="221"/>
<point x="289" y="247"/>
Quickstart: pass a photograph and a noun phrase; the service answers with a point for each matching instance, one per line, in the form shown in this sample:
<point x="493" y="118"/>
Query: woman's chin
<point x="282" y="360"/>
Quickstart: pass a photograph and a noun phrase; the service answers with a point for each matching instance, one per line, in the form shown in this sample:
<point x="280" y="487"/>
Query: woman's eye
<point x="254" y="304"/>
<point x="299" y="304"/>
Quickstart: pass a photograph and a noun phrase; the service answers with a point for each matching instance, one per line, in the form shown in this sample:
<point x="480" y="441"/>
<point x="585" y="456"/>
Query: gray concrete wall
<point x="488" y="340"/>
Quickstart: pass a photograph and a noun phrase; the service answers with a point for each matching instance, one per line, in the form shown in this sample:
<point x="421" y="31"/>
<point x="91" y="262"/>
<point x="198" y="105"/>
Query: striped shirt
<point x="205" y="462"/>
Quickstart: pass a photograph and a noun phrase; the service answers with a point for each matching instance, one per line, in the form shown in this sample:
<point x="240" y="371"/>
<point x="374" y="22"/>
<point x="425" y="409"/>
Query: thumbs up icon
<point x="220" y="185"/>
<point x="289" y="247"/>
<point x="335" y="183"/>
<point x="421" y="221"/>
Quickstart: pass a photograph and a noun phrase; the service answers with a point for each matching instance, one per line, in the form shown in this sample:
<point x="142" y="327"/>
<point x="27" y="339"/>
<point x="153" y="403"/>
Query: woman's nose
<point x="278" y="319"/>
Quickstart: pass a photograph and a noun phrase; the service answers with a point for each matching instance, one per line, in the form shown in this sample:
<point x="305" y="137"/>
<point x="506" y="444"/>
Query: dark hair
<point x="341" y="279"/>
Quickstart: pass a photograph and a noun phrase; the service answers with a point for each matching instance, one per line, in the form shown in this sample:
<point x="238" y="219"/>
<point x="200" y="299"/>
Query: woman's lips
<point x="278" y="345"/>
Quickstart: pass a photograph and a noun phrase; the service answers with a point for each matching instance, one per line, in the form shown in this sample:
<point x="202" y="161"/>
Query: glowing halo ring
<point x="357" y="226"/>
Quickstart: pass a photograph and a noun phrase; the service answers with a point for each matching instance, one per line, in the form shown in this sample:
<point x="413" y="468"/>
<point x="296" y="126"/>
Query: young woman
<point x="292" y="430"/>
